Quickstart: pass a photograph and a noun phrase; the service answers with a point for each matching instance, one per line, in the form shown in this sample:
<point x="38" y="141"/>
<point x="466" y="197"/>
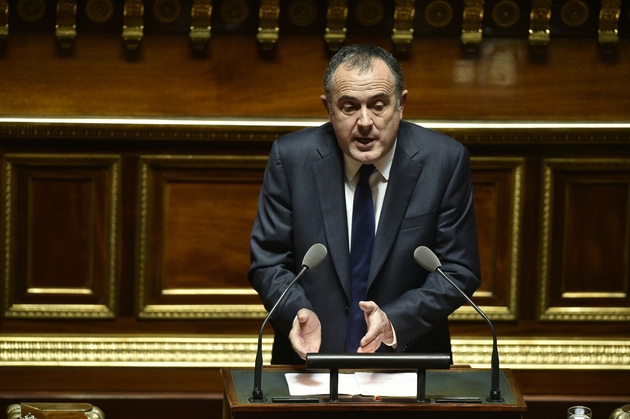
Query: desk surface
<point x="439" y="383"/>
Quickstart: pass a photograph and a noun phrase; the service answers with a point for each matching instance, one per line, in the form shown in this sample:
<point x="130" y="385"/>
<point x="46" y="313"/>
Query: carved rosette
<point x="403" y="25"/>
<point x="302" y="12"/>
<point x="336" y="24"/>
<point x="99" y="11"/>
<point x="471" y="27"/>
<point x="506" y="13"/>
<point x="133" y="27"/>
<point x="574" y="13"/>
<point x="608" y="35"/>
<point x="234" y="12"/>
<point x="438" y="13"/>
<point x="66" y="29"/>
<point x="200" y="24"/>
<point x="268" y="29"/>
<point x="166" y="11"/>
<point x="31" y="10"/>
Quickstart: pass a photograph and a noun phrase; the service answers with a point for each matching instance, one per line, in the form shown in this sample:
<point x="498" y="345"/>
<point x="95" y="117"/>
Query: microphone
<point x="313" y="257"/>
<point x="427" y="259"/>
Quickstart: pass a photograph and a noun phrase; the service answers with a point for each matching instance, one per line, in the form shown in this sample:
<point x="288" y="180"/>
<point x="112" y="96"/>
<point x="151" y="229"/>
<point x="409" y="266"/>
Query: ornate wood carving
<point x="133" y="28"/>
<point x="61" y="236"/>
<point x="200" y="24"/>
<point x="268" y="30"/>
<point x="195" y="236"/>
<point x="66" y="29"/>
<point x="336" y="24"/>
<point x="403" y="25"/>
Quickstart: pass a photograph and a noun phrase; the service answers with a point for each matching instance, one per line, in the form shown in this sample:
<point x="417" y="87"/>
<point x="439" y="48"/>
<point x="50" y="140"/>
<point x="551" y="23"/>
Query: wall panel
<point x="196" y="216"/>
<point x="61" y="235"/>
<point x="586" y="240"/>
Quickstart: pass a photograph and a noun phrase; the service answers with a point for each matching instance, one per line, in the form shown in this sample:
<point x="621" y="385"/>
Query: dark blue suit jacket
<point x="429" y="201"/>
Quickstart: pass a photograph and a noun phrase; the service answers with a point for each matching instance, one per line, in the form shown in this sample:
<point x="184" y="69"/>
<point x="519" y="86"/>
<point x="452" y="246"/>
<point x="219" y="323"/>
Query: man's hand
<point x="306" y="333"/>
<point x="379" y="328"/>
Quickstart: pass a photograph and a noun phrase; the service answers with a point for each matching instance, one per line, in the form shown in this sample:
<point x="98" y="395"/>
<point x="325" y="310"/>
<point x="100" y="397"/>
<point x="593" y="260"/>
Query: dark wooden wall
<point x="125" y="242"/>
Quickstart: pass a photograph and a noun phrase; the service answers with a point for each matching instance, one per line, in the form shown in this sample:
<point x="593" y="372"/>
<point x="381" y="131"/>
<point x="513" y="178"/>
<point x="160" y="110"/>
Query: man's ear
<point x="403" y="99"/>
<point x="326" y="104"/>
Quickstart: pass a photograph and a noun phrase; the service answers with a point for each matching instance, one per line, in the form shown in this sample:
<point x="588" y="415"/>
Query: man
<point x="421" y="195"/>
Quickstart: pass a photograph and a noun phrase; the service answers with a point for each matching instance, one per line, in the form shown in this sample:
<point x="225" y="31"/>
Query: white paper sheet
<point x="402" y="384"/>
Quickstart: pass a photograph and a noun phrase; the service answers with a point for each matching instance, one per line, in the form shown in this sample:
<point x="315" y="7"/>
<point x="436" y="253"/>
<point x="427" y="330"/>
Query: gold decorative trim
<point x="508" y="312"/>
<point x="608" y="35"/>
<point x="133" y="24"/>
<point x="61" y="310"/>
<point x="472" y="24"/>
<point x="267" y="130"/>
<point x="200" y="28"/>
<point x="229" y="351"/>
<point x="540" y="17"/>
<point x="336" y="24"/>
<point x="189" y="311"/>
<point x="268" y="31"/>
<point x="581" y="313"/>
<point x="548" y="353"/>
<point x="66" y="28"/>
<point x="402" y="34"/>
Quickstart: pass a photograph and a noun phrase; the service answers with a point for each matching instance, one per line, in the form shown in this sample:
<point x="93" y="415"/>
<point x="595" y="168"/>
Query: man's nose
<point x="365" y="119"/>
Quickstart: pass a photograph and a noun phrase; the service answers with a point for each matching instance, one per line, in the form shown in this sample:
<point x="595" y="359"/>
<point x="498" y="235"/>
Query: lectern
<point x="440" y="384"/>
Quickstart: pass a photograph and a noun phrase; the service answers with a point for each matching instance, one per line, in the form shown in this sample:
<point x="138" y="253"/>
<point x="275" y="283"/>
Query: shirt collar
<point x="383" y="166"/>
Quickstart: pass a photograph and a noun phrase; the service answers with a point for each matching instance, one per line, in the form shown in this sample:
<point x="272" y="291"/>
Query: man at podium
<point x="371" y="188"/>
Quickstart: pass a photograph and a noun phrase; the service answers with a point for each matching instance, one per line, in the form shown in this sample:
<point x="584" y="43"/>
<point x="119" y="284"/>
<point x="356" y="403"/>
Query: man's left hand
<point x="379" y="328"/>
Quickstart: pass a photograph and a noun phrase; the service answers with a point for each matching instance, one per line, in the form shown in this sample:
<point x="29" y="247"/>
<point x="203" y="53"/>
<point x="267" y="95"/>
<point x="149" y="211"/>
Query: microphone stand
<point x="495" y="392"/>
<point x="257" y="393"/>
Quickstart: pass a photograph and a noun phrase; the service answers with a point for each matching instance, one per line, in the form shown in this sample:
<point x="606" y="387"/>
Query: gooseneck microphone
<point x="427" y="259"/>
<point x="313" y="257"/>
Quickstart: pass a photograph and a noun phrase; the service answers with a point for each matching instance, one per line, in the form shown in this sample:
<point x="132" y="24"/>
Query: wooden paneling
<point x="61" y="231"/>
<point x="234" y="80"/>
<point x="586" y="240"/>
<point x="497" y="186"/>
<point x="196" y="216"/>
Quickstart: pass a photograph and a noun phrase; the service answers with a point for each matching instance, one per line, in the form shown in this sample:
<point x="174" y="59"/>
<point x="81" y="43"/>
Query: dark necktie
<point x="360" y="255"/>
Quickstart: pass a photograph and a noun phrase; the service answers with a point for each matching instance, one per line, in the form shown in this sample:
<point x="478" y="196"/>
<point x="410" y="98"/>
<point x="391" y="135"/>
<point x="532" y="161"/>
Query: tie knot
<point x="364" y="173"/>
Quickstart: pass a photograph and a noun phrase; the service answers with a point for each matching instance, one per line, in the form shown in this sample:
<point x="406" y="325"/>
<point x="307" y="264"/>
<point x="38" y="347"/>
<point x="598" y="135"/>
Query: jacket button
<point x="346" y="310"/>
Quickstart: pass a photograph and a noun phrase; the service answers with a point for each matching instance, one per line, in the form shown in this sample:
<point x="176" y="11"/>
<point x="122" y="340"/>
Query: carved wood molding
<point x="222" y="351"/>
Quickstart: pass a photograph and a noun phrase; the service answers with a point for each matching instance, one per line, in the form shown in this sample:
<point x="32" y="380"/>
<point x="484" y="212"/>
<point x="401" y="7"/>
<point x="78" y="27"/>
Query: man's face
<point x="364" y="112"/>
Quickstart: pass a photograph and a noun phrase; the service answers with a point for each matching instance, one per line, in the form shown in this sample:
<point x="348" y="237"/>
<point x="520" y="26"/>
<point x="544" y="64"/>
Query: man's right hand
<point x="306" y="333"/>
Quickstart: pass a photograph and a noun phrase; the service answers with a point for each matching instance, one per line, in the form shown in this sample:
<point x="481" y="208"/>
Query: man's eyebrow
<point x="375" y="96"/>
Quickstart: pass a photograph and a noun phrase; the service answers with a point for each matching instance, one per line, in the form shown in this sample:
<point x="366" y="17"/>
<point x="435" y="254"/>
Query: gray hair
<point x="361" y="57"/>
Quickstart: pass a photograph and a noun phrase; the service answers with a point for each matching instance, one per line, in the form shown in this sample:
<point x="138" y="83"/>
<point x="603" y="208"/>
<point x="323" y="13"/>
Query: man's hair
<point x="361" y="57"/>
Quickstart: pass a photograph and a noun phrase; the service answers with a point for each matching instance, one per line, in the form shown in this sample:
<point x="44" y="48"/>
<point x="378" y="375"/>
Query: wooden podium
<point x="238" y="385"/>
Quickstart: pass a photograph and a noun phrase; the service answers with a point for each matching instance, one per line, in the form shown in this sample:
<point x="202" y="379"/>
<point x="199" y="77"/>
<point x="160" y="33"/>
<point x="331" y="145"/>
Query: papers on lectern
<point x="403" y="384"/>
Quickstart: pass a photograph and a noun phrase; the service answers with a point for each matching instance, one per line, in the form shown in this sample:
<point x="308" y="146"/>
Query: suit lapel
<point x="329" y="183"/>
<point x="403" y="178"/>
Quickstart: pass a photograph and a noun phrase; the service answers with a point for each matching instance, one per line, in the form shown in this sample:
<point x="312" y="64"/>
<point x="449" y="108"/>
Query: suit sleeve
<point x="272" y="253"/>
<point x="454" y="241"/>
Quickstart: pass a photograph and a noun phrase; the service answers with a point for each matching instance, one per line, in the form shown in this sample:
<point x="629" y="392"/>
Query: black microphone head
<point x="314" y="256"/>
<point x="426" y="258"/>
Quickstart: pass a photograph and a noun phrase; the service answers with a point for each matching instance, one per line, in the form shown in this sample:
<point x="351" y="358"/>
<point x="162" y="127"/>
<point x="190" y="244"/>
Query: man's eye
<point x="348" y="108"/>
<point x="379" y="107"/>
